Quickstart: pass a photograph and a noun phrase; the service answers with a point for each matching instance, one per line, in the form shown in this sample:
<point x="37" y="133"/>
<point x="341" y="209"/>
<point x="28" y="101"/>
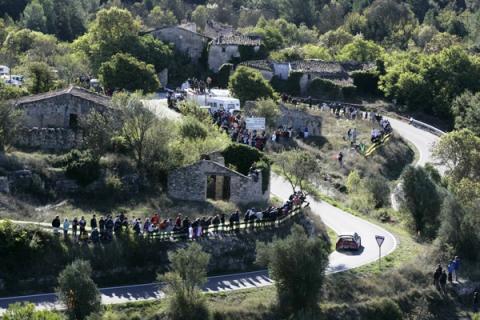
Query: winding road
<point x="339" y="221"/>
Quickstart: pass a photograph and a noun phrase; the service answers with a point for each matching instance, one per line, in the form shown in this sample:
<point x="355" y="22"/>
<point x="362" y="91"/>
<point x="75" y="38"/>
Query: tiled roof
<point x="317" y="66"/>
<point x="264" y="65"/>
<point x="72" y="90"/>
<point x="240" y="40"/>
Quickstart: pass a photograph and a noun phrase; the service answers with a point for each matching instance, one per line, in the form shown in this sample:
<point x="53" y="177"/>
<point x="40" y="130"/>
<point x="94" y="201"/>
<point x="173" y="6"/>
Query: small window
<point x="73" y="121"/>
<point x="224" y="49"/>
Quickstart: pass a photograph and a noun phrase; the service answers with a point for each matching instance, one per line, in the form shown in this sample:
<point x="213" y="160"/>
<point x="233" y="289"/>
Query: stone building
<point x="210" y="179"/>
<point x="185" y="38"/>
<point x="225" y="48"/>
<point x="307" y="71"/>
<point x="298" y="120"/>
<point x="51" y="120"/>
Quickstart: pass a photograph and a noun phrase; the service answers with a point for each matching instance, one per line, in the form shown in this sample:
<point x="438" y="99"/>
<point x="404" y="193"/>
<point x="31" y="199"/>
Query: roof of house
<point x="71" y="90"/>
<point x="264" y="65"/>
<point x="317" y="66"/>
<point x="182" y="27"/>
<point x="240" y="40"/>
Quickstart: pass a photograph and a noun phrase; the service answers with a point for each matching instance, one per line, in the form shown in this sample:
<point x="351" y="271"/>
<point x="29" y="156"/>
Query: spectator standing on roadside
<point x="74" y="226"/>
<point x="93" y="222"/>
<point x="443" y="281"/>
<point x="56" y="224"/>
<point x="436" y="277"/>
<point x="66" y="226"/>
<point x="450" y="271"/>
<point x="456" y="266"/>
<point x="475" y="301"/>
<point x="340" y="159"/>
<point x="82" y="224"/>
<point x="101" y="225"/>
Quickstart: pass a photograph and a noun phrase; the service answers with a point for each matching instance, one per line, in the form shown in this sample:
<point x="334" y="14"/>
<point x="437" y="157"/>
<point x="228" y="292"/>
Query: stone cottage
<point x="185" y="38"/>
<point x="308" y="70"/>
<point x="211" y="179"/>
<point x="51" y="120"/>
<point x="225" y="48"/>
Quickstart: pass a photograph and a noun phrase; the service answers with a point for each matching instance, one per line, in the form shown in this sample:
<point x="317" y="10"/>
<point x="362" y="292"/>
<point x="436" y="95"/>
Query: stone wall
<point x="220" y="54"/>
<point x="49" y="139"/>
<point x="190" y="183"/>
<point x="185" y="41"/>
<point x="57" y="111"/>
<point x="299" y="119"/>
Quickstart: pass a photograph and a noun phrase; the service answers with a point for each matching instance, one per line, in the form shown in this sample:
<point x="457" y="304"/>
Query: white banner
<point x="255" y="123"/>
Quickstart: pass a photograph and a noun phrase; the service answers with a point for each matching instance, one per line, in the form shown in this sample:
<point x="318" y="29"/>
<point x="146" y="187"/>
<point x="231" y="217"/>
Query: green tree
<point x="137" y="122"/>
<point x="77" y="291"/>
<point x="26" y="311"/>
<point x="39" y="77"/>
<point x="34" y="17"/>
<point x="124" y="71"/>
<point x="200" y="16"/>
<point x="297" y="264"/>
<point x="184" y="282"/>
<point x="360" y="50"/>
<point x="459" y="152"/>
<point x="114" y="30"/>
<point x="421" y="200"/>
<point x="298" y="11"/>
<point x="191" y="128"/>
<point x="161" y="18"/>
<point x="297" y="167"/>
<point x="9" y="124"/>
<point x="466" y="110"/>
<point x="268" y="109"/>
<point x="99" y="129"/>
<point x="249" y="85"/>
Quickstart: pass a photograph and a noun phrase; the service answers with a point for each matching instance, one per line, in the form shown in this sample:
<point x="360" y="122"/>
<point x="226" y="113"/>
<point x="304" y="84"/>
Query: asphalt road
<point x="341" y="222"/>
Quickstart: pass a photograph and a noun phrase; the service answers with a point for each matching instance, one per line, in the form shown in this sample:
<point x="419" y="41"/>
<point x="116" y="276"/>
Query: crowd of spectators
<point x="106" y="227"/>
<point x="235" y="126"/>
<point x="441" y="275"/>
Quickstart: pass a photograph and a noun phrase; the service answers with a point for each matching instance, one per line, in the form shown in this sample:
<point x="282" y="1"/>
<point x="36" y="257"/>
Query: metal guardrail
<point x="253" y="225"/>
<point x="420" y="124"/>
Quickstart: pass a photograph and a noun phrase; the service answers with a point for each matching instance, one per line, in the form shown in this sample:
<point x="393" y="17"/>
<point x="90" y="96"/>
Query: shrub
<point x="381" y="309"/>
<point x="241" y="157"/>
<point x="193" y="129"/>
<point x="297" y="264"/>
<point x="321" y="88"/>
<point x="82" y="167"/>
<point x="77" y="291"/>
<point x="366" y="81"/>
<point x="27" y="311"/>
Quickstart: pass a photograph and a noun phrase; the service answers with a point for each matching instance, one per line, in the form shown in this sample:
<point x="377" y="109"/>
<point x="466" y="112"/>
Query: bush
<point x="321" y="88"/>
<point x="366" y="81"/>
<point x="77" y="291"/>
<point x="381" y="309"/>
<point x="27" y="311"/>
<point x="241" y="157"/>
<point x="297" y="264"/>
<point x="193" y="129"/>
<point x="82" y="167"/>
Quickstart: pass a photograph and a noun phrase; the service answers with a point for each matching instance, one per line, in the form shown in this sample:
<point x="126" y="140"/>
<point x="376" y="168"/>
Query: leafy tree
<point x="9" y="124"/>
<point x="26" y="311"/>
<point x="268" y="109"/>
<point x="297" y="264"/>
<point x="126" y="72"/>
<point x="200" y="16"/>
<point x="77" y="291"/>
<point x="12" y="8"/>
<point x="335" y="40"/>
<point x="459" y="152"/>
<point x="39" y="77"/>
<point x="159" y="17"/>
<point x="34" y="17"/>
<point x="249" y="85"/>
<point x="191" y="128"/>
<point x="297" y="167"/>
<point x="298" y="11"/>
<point x="466" y="110"/>
<point x="114" y="30"/>
<point x="421" y="200"/>
<point x="99" y="129"/>
<point x="137" y="122"/>
<point x="188" y="275"/>
<point x="311" y="51"/>
<point x="378" y="187"/>
<point x="360" y="50"/>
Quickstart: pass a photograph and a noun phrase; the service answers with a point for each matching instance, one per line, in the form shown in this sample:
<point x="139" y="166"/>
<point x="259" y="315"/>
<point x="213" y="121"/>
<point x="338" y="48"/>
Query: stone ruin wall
<point x="49" y="139"/>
